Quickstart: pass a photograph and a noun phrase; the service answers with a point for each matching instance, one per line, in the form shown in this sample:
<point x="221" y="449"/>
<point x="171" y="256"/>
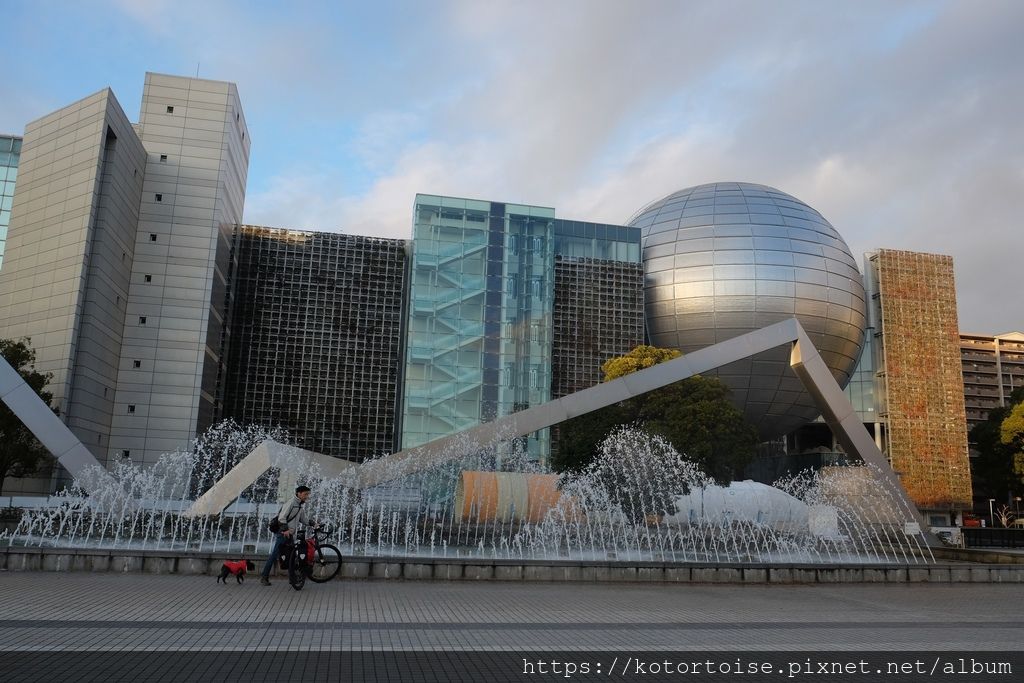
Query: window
<point x="163" y="158"/>
<point x="131" y="407"/>
<point x="159" y="197"/>
<point x="170" y="109"/>
<point x="152" y="235"/>
<point x="126" y="453"/>
<point x="142" y="320"/>
<point x="137" y="363"/>
<point x="149" y="278"/>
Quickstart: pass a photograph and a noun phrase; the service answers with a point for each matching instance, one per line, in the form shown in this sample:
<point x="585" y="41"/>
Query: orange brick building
<point x="920" y="381"/>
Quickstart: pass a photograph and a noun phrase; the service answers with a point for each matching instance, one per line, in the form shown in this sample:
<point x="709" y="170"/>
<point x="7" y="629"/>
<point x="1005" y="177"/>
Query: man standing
<point x="291" y="512"/>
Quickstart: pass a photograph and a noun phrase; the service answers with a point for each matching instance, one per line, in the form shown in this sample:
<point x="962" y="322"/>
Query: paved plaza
<point x="51" y="612"/>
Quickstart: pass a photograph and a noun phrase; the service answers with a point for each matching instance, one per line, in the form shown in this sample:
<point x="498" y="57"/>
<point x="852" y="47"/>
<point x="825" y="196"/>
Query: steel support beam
<point x="269" y="454"/>
<point x="50" y="430"/>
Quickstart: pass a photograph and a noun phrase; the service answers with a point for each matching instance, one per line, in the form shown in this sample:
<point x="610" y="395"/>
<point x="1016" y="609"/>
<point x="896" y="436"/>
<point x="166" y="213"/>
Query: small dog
<point x="238" y="568"/>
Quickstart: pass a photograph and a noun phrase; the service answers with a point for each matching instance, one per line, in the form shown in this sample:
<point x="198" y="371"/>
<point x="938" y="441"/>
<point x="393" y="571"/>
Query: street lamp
<point x="1016" y="505"/>
<point x="991" y="514"/>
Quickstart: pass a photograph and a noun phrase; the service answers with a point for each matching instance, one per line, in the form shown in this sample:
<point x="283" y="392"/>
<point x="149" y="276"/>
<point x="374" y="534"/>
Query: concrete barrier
<point x="17" y="559"/>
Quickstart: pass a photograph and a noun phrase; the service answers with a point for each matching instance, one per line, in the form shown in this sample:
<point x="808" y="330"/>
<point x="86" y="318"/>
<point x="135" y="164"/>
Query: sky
<point x="900" y="121"/>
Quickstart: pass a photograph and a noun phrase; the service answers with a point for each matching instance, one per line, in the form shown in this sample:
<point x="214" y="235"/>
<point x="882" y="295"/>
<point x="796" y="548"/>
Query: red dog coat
<point x="236" y="568"/>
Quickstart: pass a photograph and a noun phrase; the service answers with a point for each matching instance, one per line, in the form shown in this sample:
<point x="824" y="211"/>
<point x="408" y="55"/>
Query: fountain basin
<point x="1009" y="568"/>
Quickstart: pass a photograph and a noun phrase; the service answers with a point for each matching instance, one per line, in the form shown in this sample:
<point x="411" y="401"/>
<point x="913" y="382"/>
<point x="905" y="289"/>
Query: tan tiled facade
<point x="198" y="158"/>
<point x="69" y="255"/>
<point x="114" y="259"/>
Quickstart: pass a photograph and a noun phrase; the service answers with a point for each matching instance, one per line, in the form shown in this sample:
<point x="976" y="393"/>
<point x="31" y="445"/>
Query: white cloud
<point x="900" y="123"/>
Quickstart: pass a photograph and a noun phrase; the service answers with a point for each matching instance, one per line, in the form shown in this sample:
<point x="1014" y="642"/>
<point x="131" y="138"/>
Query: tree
<point x="1011" y="433"/>
<point x="999" y="466"/>
<point x="1005" y="515"/>
<point x="640" y="358"/>
<point x="694" y="415"/>
<point x="1011" y="430"/>
<point x="21" y="454"/>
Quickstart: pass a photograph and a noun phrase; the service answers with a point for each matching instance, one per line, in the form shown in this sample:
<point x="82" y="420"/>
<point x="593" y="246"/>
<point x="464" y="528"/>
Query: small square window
<point x="159" y="197"/>
<point x="137" y="363"/>
<point x="131" y="408"/>
<point x="149" y="278"/>
<point x="126" y="453"/>
<point x="152" y="237"/>
<point x="163" y="158"/>
<point x="142" y="320"/>
<point x="170" y="109"/>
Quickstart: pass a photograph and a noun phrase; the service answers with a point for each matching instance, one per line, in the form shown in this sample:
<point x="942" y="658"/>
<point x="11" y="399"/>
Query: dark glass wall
<point x="315" y="337"/>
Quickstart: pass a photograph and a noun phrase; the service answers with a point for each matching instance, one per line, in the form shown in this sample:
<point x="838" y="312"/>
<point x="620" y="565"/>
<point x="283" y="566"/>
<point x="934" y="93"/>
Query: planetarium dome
<point x="724" y="259"/>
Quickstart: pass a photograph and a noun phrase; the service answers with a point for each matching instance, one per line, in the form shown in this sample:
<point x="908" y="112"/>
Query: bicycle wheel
<point x="296" y="571"/>
<point x="326" y="563"/>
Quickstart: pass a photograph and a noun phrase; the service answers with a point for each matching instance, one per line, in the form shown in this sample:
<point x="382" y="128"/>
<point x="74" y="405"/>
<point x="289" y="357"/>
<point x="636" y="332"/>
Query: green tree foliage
<point x="21" y="454"/>
<point x="1011" y="430"/>
<point x="1011" y="433"/>
<point x="694" y="415"/>
<point x="999" y="466"/>
<point x="638" y="359"/>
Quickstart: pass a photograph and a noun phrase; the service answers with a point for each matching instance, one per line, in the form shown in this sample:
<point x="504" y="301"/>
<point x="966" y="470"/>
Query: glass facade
<point x="314" y="337"/>
<point x="861" y="389"/>
<point x="599" y="301"/>
<point x="480" y="316"/>
<point x="575" y="240"/>
<point x="10" y="154"/>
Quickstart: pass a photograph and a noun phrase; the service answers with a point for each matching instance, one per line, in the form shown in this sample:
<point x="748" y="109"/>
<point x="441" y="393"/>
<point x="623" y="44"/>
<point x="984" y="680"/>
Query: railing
<point x="993" y="538"/>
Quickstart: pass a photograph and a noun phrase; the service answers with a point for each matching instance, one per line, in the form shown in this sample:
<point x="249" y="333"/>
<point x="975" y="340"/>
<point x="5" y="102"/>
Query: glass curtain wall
<point x="10" y="154"/>
<point x="479" y="317"/>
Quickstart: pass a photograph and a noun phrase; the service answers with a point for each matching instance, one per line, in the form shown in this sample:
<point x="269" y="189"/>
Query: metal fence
<point x="994" y="538"/>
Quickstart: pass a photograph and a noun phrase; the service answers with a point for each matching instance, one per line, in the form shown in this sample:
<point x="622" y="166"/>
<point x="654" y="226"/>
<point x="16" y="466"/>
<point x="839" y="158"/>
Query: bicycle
<point x="312" y="558"/>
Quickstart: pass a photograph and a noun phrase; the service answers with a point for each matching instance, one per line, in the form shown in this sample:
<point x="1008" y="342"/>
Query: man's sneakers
<point x="264" y="581"/>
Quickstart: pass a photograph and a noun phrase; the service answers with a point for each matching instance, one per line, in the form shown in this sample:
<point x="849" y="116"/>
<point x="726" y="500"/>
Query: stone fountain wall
<point x="1005" y="568"/>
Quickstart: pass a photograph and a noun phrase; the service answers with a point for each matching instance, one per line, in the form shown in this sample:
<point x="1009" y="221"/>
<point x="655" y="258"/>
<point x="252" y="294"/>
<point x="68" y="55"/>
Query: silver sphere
<point x="724" y="259"/>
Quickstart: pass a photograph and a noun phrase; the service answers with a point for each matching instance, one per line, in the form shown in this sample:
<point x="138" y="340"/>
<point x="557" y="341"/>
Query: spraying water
<point x="638" y="500"/>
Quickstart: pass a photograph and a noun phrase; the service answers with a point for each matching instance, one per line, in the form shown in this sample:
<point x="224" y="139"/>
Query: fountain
<point x="639" y="500"/>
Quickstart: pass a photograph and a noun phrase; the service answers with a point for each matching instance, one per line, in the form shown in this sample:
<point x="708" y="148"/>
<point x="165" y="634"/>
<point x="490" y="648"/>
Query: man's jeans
<point x="279" y="541"/>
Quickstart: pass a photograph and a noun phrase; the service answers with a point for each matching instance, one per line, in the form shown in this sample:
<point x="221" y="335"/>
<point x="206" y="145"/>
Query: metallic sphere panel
<point x="727" y="258"/>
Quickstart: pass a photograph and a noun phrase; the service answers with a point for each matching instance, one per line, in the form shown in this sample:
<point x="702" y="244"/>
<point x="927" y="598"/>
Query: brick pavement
<point x="55" y="612"/>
